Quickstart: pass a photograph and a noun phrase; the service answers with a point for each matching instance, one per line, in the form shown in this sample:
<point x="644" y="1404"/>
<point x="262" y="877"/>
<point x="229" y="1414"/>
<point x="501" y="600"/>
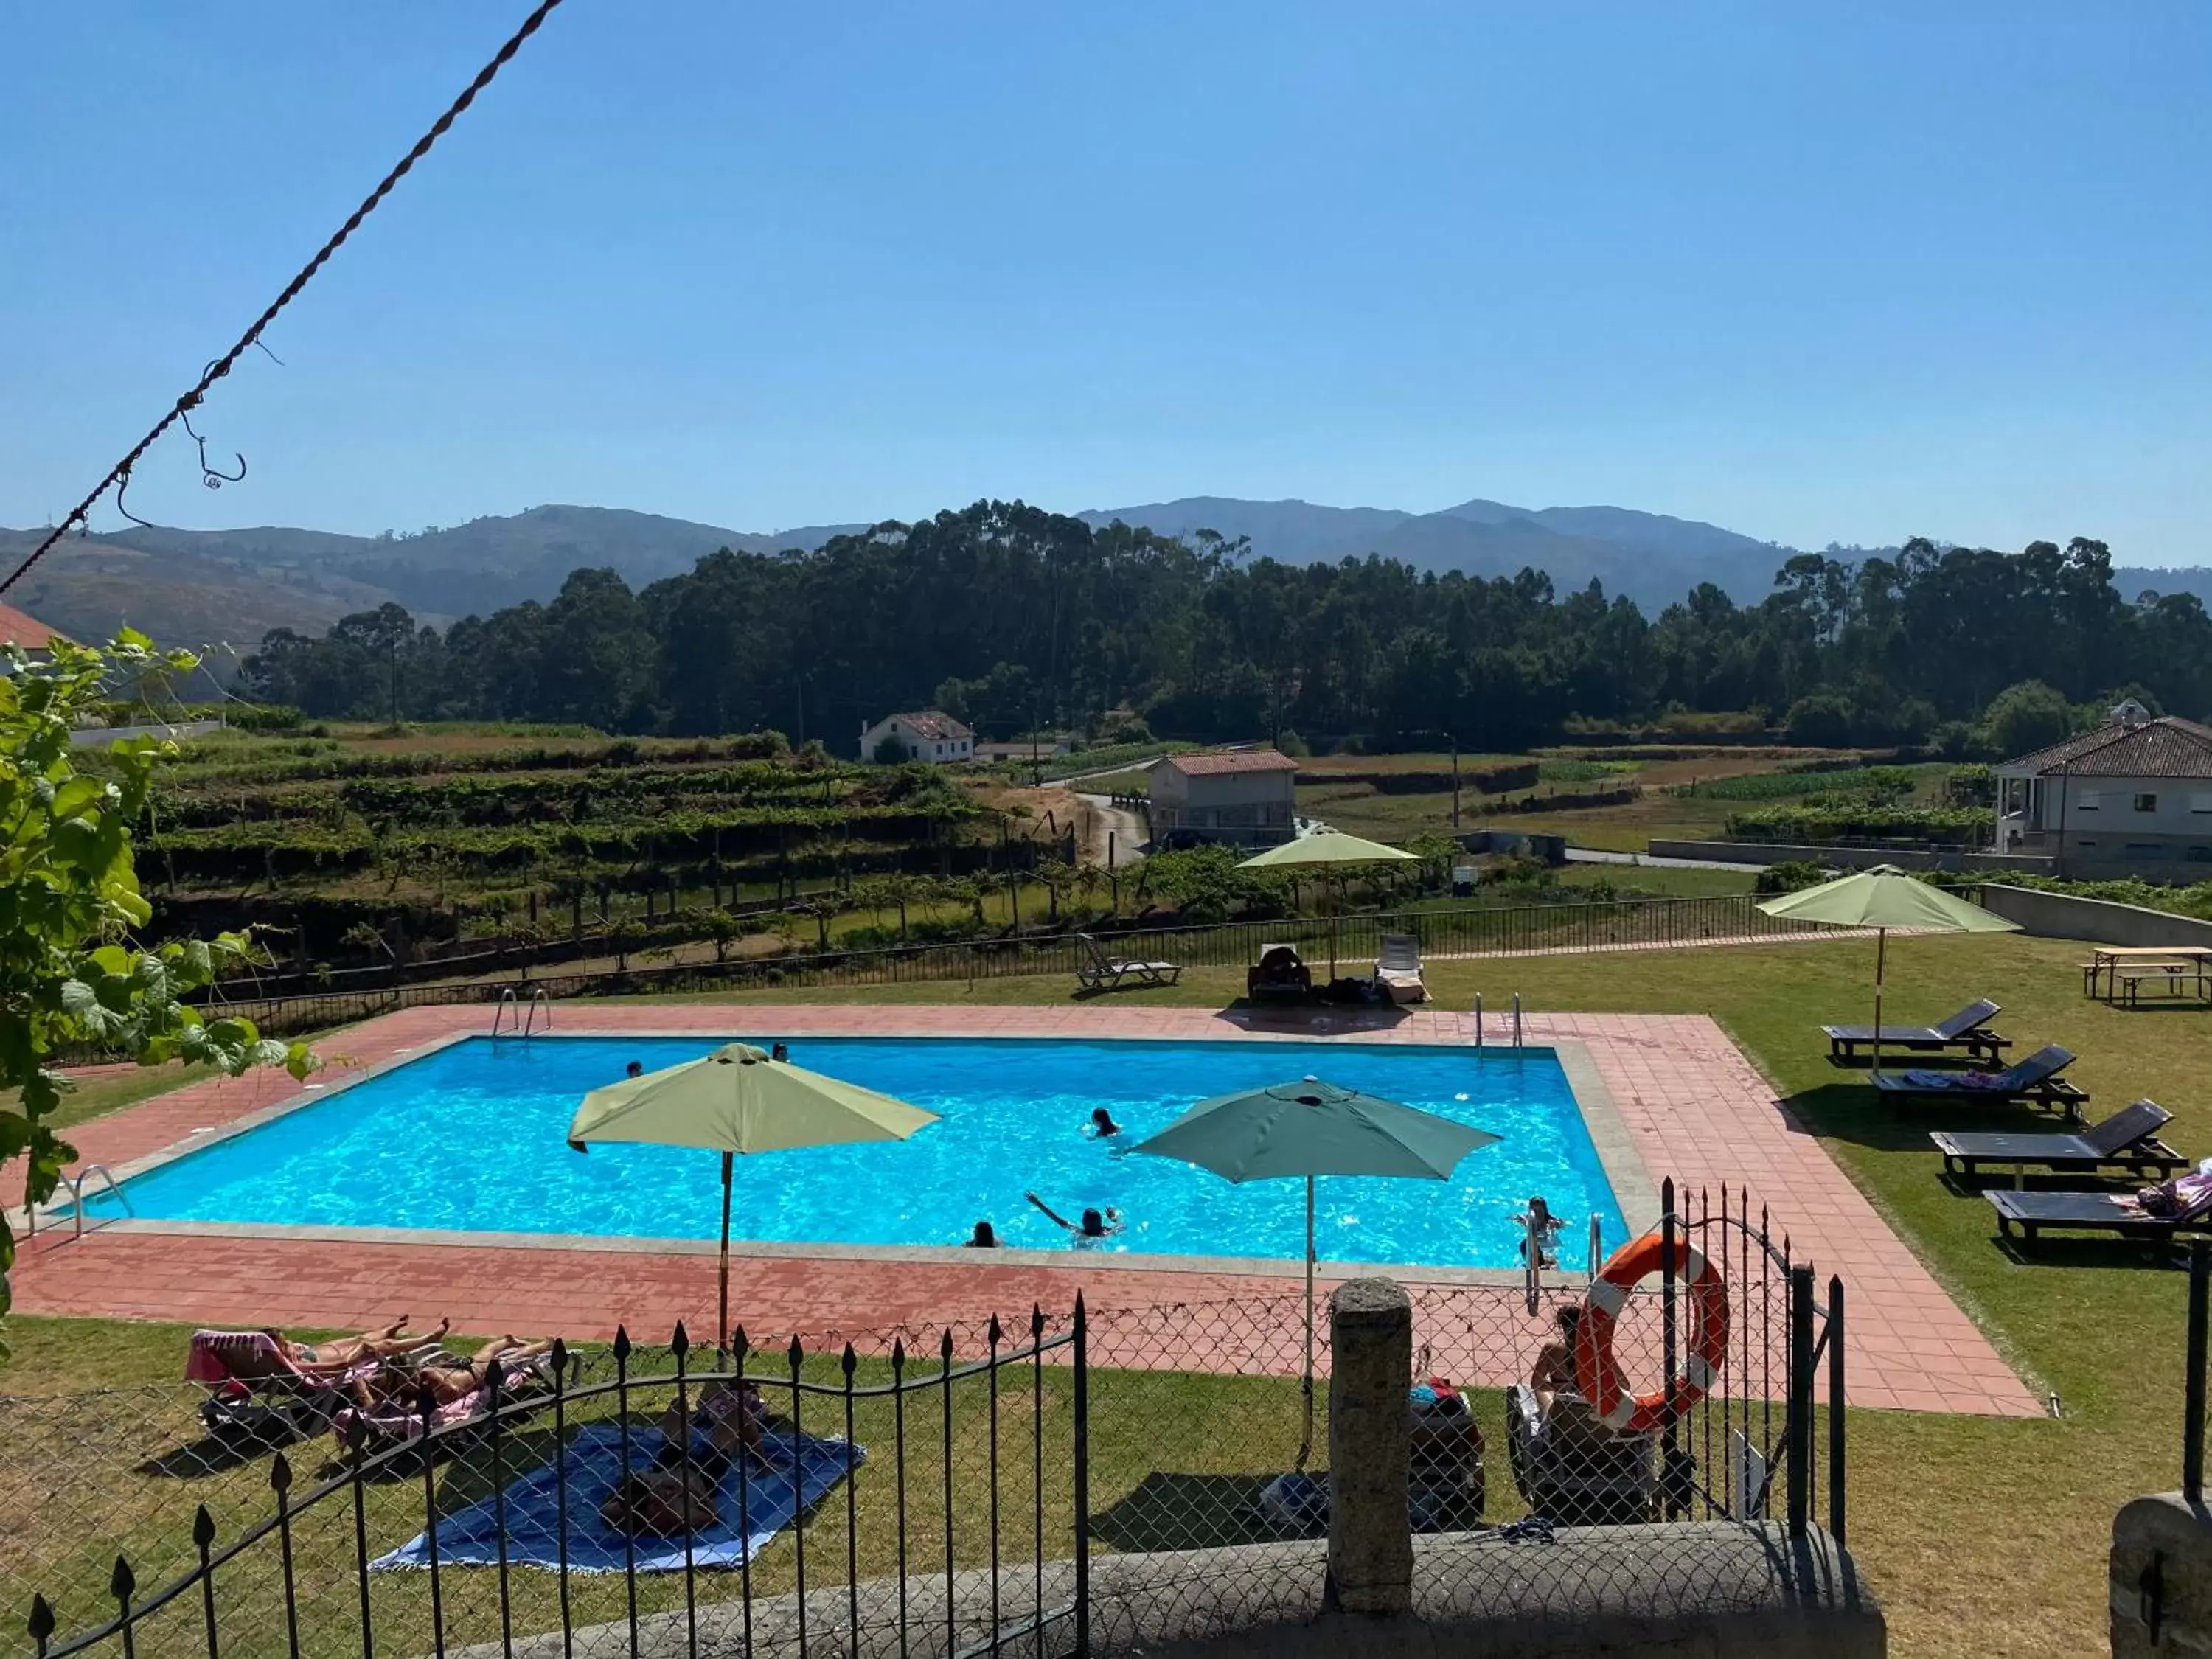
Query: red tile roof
<point x="17" y="628"/>
<point x="2163" y="747"/>
<point x="1242" y="760"/>
<point x="935" y="724"/>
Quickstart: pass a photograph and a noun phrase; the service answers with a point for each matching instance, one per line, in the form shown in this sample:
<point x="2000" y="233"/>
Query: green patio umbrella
<point x="1882" y="898"/>
<point x="1311" y="1128"/>
<point x="1328" y="848"/>
<point x="739" y="1099"/>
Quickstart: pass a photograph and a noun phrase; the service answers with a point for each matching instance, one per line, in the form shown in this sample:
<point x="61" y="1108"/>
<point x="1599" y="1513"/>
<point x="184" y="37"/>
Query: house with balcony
<point x="2133" y="797"/>
<point x="1248" y="797"/>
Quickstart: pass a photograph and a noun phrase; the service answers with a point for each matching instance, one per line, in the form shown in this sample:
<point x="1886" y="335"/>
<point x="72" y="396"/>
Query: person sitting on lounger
<point x="344" y="1353"/>
<point x="1102" y="1126"/>
<point x="1553" y="1372"/>
<point x="1096" y="1227"/>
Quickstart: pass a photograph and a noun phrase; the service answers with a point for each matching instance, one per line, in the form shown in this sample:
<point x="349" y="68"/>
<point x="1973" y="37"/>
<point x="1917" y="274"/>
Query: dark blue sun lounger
<point x="2024" y="1215"/>
<point x="1966" y="1034"/>
<point x="2127" y="1141"/>
<point x="2033" y="1081"/>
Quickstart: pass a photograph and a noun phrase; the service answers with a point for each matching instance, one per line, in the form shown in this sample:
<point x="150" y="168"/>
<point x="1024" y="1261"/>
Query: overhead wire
<point x="119" y="473"/>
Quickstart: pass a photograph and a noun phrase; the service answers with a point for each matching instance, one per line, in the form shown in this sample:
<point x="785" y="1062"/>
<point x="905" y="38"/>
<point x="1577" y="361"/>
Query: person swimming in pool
<point x="1096" y="1227"/>
<point x="635" y="1068"/>
<point x="1102" y="1126"/>
<point x="780" y="1052"/>
<point x="985" y="1238"/>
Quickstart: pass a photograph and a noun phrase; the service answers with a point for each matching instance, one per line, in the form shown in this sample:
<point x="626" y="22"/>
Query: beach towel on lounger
<point x="595" y="1464"/>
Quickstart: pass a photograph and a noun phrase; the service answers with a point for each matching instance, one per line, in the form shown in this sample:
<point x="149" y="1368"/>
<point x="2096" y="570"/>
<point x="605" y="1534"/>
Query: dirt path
<point x="1126" y="828"/>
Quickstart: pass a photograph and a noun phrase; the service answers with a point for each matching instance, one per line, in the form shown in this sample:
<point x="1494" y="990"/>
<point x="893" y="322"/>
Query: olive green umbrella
<point x="1328" y="847"/>
<point x="739" y="1099"/>
<point x="1882" y="898"/>
<point x="1313" y="1128"/>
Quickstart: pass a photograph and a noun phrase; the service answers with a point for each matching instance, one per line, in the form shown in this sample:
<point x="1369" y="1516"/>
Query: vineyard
<point x="355" y="847"/>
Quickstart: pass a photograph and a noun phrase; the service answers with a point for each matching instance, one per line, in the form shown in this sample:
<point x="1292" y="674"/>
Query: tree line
<point x="1015" y="618"/>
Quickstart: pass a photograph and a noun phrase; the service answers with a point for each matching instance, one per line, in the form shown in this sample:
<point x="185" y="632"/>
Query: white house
<point x="931" y="735"/>
<point x="2134" y="797"/>
<point x="1249" y="797"/>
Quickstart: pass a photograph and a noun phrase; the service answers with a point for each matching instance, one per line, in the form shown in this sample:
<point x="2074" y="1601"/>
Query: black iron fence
<point x="1354" y="941"/>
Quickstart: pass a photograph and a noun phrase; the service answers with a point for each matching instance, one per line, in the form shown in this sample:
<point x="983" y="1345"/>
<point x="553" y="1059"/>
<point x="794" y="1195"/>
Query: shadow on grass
<point x="2112" y="1252"/>
<point x="1185" y="1512"/>
<point x="1853" y="1112"/>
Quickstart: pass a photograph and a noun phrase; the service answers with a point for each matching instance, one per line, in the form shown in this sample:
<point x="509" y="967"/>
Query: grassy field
<point x="1980" y="1536"/>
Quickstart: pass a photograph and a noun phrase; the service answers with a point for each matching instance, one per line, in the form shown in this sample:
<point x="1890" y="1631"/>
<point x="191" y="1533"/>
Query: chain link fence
<point x="927" y="1488"/>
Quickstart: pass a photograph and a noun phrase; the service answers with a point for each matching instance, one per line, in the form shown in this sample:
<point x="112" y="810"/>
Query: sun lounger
<point x="2127" y="1141"/>
<point x="2033" y="1081"/>
<point x="1398" y="969"/>
<point x="1279" y="975"/>
<point x="2024" y="1215"/>
<point x="1096" y="971"/>
<point x="396" y="1418"/>
<point x="254" y="1387"/>
<point x="1967" y="1033"/>
<point x="1572" y="1469"/>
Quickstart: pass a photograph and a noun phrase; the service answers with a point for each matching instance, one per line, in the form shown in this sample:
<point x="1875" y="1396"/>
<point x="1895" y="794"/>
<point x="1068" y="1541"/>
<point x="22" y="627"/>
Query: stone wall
<point x="2064" y="915"/>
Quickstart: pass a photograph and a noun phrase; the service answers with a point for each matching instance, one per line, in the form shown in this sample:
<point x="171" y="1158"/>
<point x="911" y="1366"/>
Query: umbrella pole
<point x="1305" y="1442"/>
<point x="1333" y="907"/>
<point x="722" y="1275"/>
<point x="1881" y="949"/>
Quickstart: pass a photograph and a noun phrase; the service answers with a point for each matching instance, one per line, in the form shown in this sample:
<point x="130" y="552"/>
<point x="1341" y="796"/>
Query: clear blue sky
<point x="1850" y="272"/>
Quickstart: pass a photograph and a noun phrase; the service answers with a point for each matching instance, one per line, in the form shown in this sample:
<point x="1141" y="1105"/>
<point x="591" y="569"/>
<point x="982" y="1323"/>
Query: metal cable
<point x="215" y="370"/>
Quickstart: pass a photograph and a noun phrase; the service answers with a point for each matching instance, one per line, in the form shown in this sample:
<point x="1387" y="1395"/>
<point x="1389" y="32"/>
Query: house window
<point x="2146" y="803"/>
<point x="2143" y="850"/>
<point x="2086" y="801"/>
<point x="2200" y="801"/>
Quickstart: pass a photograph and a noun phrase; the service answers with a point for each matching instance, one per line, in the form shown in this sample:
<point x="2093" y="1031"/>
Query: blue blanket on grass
<point x="595" y="1464"/>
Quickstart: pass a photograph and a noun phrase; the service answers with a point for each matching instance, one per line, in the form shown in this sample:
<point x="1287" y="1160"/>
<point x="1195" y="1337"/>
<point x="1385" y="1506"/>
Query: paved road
<point x="1129" y="828"/>
<point x="1595" y="855"/>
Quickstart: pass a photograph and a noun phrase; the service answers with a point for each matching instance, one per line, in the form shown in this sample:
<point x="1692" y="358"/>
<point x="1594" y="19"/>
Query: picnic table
<point x="2122" y="973"/>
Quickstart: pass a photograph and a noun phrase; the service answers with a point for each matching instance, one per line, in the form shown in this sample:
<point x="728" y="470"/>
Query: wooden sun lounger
<point x="1966" y="1034"/>
<point x="2127" y="1142"/>
<point x="1096" y="971"/>
<point x="2024" y="1215"/>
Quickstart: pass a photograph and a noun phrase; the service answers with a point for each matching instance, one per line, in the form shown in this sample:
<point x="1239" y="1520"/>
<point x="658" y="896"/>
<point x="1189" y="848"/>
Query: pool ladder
<point x="1478" y="1019"/>
<point x="77" y="1184"/>
<point x="519" y="1021"/>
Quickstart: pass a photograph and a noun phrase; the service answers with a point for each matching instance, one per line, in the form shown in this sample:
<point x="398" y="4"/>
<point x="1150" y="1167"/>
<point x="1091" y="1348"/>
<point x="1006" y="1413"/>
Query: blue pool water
<point x="471" y="1139"/>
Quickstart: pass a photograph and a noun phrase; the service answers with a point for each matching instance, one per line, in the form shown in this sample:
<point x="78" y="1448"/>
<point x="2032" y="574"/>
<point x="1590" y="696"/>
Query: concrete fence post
<point x="1370" y="1540"/>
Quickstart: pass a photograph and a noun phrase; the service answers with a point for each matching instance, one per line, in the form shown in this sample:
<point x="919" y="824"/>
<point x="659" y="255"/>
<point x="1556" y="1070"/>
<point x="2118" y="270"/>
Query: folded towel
<point x="741" y="1531"/>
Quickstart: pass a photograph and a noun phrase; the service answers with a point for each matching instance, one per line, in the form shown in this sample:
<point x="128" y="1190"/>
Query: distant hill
<point x="1653" y="559"/>
<point x="200" y="587"/>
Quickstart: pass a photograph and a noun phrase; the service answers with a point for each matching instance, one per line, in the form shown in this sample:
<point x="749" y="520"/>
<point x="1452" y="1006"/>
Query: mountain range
<point x="197" y="587"/>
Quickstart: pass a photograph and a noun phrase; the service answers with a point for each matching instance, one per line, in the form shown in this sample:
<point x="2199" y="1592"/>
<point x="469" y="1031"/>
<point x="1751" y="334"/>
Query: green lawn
<point x="1980" y="1536"/>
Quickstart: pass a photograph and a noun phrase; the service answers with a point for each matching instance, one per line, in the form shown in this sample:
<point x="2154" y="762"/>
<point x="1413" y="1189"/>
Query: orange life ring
<point x="1597" y="1373"/>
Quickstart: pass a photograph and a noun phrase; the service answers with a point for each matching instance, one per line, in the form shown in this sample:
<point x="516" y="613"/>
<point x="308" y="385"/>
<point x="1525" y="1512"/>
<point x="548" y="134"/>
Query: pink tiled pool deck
<point x="1691" y="1104"/>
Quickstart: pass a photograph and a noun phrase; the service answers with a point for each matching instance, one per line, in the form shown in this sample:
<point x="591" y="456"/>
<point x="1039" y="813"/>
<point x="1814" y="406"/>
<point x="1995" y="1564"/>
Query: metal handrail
<point x="75" y="1184"/>
<point x="506" y="1004"/>
<point x="537" y="999"/>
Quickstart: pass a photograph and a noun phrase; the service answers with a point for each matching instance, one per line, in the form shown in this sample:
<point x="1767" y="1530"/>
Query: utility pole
<point x="391" y="648"/>
<point x="1455" y="749"/>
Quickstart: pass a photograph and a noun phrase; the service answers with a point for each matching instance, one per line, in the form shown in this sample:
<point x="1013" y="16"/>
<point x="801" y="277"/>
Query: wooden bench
<point x="2173" y="979"/>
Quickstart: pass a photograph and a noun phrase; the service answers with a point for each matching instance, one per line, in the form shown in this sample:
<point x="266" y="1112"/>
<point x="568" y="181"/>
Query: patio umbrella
<point x="1329" y="848"/>
<point x="1313" y="1128"/>
<point x="1882" y="898"/>
<point x="736" y="1100"/>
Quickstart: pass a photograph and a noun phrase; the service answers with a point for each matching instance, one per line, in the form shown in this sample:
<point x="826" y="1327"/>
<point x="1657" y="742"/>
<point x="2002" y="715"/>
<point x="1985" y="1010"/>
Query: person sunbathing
<point x="343" y="1353"/>
<point x="725" y="1420"/>
<point x="661" y="1503"/>
<point x="447" y="1380"/>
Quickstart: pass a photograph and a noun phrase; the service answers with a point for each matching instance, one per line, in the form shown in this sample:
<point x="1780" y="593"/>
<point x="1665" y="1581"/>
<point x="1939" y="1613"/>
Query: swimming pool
<point x="471" y="1139"/>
